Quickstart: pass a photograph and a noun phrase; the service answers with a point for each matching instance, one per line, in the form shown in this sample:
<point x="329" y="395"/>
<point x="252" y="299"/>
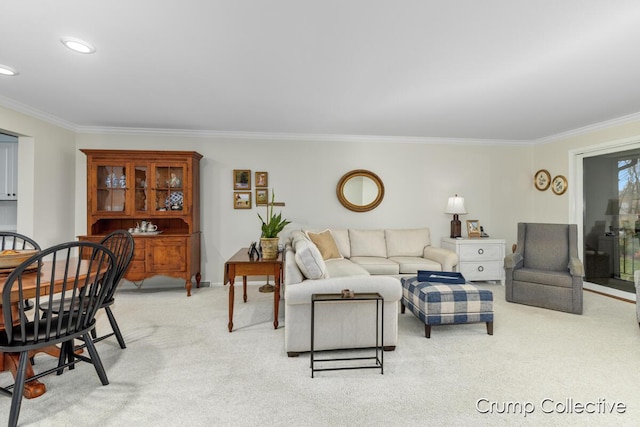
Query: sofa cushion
<point x="325" y="243"/>
<point x="410" y="242"/>
<point x="377" y="265"/>
<point x="552" y="278"/>
<point x="547" y="247"/>
<point x="309" y="260"/>
<point x="341" y="267"/>
<point x="297" y="235"/>
<point x="341" y="236"/>
<point x="389" y="287"/>
<point x="411" y="264"/>
<point x="367" y="243"/>
<point x="292" y="273"/>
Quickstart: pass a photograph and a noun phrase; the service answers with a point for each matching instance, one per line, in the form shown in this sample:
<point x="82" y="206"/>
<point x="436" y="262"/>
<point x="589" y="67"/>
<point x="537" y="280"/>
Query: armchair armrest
<point x="513" y="260"/>
<point x="447" y="259"/>
<point x="575" y="267"/>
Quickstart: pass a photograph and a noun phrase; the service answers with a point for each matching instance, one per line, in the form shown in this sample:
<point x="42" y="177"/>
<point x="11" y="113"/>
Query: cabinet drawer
<point x="489" y="270"/>
<point x="480" y="252"/>
<point x="136" y="267"/>
<point x="139" y="252"/>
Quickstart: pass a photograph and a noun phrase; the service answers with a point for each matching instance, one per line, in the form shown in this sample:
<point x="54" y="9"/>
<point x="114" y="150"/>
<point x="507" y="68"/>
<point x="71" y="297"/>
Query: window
<point x="611" y="218"/>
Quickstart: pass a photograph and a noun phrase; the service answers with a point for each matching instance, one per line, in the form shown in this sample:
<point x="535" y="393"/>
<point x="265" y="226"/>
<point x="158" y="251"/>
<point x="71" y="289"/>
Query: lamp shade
<point x="613" y="207"/>
<point x="455" y="206"/>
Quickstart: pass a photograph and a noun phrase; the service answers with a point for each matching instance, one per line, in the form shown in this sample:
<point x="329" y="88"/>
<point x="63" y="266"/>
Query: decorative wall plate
<point x="559" y="184"/>
<point x="174" y="201"/>
<point x="542" y="179"/>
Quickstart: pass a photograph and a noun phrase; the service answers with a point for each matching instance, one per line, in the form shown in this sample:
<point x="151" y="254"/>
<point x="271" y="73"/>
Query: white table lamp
<point x="455" y="207"/>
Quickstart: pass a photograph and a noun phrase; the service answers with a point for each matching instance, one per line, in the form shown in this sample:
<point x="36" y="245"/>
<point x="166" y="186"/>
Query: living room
<point x="496" y="180"/>
<point x="419" y="172"/>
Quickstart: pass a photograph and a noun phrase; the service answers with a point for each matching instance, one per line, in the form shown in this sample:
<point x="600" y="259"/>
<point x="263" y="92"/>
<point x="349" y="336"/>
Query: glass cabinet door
<point x="169" y="187"/>
<point x="111" y="188"/>
<point x="141" y="189"/>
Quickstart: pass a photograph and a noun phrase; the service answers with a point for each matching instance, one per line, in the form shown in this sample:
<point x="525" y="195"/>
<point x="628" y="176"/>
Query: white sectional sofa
<point x="328" y="261"/>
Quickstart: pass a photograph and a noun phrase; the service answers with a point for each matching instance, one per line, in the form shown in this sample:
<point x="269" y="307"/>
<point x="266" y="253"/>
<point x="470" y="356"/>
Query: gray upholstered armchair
<point x="544" y="270"/>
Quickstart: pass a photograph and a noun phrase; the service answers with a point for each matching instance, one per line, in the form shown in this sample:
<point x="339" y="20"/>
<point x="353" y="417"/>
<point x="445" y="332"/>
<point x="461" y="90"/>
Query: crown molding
<point x="32" y="112"/>
<point x="300" y="137"/>
<point x="590" y="128"/>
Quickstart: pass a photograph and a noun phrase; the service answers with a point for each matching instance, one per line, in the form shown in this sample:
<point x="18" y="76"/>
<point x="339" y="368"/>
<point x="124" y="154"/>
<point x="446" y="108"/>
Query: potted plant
<point x="270" y="230"/>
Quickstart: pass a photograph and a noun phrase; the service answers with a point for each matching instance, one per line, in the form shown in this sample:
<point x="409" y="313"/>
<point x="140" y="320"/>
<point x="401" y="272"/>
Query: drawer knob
<point x="480" y="251"/>
<point x="480" y="268"/>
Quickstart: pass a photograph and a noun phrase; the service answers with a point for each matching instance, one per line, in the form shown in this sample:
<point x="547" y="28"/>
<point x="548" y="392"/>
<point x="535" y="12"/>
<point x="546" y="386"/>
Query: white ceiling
<point x="492" y="69"/>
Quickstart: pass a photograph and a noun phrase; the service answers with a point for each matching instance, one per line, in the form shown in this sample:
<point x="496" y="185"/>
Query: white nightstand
<point x="480" y="258"/>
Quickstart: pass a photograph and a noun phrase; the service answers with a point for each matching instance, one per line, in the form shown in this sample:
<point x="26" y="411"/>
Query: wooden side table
<point x="241" y="264"/>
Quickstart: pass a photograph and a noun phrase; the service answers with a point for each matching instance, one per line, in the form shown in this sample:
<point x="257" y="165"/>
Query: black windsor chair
<point x="122" y="244"/>
<point x="84" y="282"/>
<point x="16" y="241"/>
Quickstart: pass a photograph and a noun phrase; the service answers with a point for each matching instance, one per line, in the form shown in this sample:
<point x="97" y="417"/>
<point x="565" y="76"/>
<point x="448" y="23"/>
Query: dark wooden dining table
<point x="9" y="361"/>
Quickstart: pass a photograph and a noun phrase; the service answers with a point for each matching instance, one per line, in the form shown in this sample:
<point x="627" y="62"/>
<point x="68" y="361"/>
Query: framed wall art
<point x="241" y="179"/>
<point x="473" y="228"/>
<point x="242" y="199"/>
<point x="559" y="184"/>
<point x="262" y="179"/>
<point x="542" y="179"/>
<point x="262" y="196"/>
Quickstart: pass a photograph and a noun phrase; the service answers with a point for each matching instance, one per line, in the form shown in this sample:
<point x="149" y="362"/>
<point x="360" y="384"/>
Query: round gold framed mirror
<point x="360" y="190"/>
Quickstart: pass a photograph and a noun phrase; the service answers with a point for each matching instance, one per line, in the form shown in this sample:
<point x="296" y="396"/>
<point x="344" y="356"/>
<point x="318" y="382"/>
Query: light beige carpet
<point x="183" y="368"/>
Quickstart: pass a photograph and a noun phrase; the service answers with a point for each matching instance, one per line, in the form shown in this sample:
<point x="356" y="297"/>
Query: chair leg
<point x="66" y="355"/>
<point x="95" y="359"/>
<point x="427" y="331"/>
<point x="114" y="326"/>
<point x="18" y="389"/>
<point x="490" y="328"/>
<point x="62" y="357"/>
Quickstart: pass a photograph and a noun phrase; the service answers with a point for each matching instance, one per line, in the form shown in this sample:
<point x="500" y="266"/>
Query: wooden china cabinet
<point x="126" y="187"/>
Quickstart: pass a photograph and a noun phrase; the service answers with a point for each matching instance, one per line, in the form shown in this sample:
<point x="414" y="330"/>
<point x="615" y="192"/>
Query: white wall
<point x="556" y="156"/>
<point x="496" y="182"/>
<point x="46" y="177"/>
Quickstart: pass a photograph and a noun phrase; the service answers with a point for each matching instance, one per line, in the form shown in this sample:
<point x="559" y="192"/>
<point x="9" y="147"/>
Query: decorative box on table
<point x="446" y="277"/>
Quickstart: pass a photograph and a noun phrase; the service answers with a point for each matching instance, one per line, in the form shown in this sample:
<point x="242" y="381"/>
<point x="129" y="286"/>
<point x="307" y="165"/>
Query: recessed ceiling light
<point x="77" y="45"/>
<point x="7" y="71"/>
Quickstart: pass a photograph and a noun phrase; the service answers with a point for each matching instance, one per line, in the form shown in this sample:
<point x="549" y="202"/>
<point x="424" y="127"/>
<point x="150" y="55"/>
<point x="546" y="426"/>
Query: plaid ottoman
<point x="440" y="304"/>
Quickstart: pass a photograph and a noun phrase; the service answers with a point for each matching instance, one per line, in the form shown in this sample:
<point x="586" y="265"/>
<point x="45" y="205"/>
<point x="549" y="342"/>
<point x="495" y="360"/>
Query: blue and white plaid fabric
<point x="439" y="304"/>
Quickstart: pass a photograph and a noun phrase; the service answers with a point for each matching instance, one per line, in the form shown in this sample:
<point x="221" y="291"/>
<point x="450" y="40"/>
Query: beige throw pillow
<point x="325" y="243"/>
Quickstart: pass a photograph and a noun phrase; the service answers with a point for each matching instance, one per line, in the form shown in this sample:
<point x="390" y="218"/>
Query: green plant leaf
<point x="275" y="223"/>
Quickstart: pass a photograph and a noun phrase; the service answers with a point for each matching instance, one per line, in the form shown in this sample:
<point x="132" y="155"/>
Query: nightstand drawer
<point x="478" y="252"/>
<point x="488" y="270"/>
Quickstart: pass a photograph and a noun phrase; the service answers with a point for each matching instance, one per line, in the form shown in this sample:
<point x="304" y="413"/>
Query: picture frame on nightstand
<point x="473" y="228"/>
